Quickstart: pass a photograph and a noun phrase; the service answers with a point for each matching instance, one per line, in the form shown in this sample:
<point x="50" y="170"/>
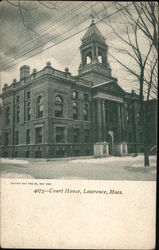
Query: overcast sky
<point x="28" y="28"/>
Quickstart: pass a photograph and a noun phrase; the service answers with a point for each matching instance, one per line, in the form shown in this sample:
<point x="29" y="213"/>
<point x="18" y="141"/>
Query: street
<point x="108" y="168"/>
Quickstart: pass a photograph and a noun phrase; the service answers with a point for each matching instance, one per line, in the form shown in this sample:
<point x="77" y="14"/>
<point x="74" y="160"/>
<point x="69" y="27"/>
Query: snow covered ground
<point x="137" y="161"/>
<point x="13" y="161"/>
<point x="107" y="168"/>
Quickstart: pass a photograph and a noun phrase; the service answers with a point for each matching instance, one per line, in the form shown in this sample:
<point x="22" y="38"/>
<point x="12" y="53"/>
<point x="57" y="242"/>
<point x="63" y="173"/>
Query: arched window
<point x="88" y="58"/>
<point x="58" y="106"/>
<point x="40" y="106"/>
<point x="8" y="115"/>
<point x="75" y="110"/>
<point x="75" y="95"/>
<point x="100" y="59"/>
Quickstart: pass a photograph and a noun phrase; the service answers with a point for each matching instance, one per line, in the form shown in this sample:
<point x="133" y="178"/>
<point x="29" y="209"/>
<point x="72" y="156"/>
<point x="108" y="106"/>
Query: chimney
<point x="24" y="71"/>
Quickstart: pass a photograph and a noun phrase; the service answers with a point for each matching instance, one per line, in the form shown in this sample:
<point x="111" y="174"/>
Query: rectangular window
<point x="60" y="134"/>
<point x="5" y="154"/>
<point x="27" y="154"/>
<point x="75" y="113"/>
<point x="28" y="115"/>
<point x="16" y="137"/>
<point x="17" y="99"/>
<point x="85" y="96"/>
<point x="40" y="106"/>
<point x="16" y="154"/>
<point x="86" y="135"/>
<point x="6" y="139"/>
<point x="28" y="136"/>
<point x="40" y="111"/>
<point x="8" y="115"/>
<point x="38" y="135"/>
<point x="28" y="95"/>
<point x="8" y="119"/>
<point x="18" y="116"/>
<point x="76" y="135"/>
<point x="75" y="95"/>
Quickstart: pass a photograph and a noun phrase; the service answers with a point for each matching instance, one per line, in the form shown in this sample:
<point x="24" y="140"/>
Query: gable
<point x="110" y="88"/>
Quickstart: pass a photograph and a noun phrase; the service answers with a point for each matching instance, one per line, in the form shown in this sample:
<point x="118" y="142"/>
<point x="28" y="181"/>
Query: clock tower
<point x="94" y="62"/>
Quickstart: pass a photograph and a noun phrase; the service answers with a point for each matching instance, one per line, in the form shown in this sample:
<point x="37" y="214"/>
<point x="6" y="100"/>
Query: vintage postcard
<point x="78" y="124"/>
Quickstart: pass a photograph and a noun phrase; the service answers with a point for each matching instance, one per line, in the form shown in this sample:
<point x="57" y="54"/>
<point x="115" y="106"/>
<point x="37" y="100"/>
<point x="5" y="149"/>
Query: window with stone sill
<point x="6" y="139"/>
<point x="40" y="106"/>
<point x="16" y="154"/>
<point x="28" y="95"/>
<point x="85" y="96"/>
<point x="17" y="113"/>
<point x="8" y="115"/>
<point x="16" y="137"/>
<point x="38" y="154"/>
<point x="28" y="136"/>
<point x="60" y="134"/>
<point x="38" y="135"/>
<point x="86" y="135"/>
<point x="28" y="111"/>
<point x="76" y="135"/>
<point x="58" y="106"/>
<point x="27" y="154"/>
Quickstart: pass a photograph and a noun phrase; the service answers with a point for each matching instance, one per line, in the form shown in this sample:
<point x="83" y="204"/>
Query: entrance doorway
<point x="110" y="140"/>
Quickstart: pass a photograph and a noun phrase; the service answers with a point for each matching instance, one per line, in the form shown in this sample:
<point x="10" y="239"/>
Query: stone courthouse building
<point x="51" y="113"/>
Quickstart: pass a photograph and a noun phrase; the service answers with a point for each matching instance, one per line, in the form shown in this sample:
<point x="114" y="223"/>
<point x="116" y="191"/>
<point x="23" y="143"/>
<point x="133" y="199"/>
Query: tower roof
<point x="93" y="31"/>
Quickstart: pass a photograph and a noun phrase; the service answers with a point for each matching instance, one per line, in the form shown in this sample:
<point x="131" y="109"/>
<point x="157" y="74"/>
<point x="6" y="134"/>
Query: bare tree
<point x="139" y="21"/>
<point x="147" y="11"/>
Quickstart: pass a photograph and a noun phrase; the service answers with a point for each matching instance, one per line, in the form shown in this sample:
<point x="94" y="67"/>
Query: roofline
<point x="101" y="84"/>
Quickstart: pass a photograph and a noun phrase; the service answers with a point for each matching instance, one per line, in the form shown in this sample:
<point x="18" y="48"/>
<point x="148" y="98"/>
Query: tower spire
<point x="92" y="16"/>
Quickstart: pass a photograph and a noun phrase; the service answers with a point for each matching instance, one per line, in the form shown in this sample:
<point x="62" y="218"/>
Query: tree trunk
<point x="146" y="153"/>
<point x="144" y="124"/>
<point x="146" y="148"/>
<point x="145" y="133"/>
